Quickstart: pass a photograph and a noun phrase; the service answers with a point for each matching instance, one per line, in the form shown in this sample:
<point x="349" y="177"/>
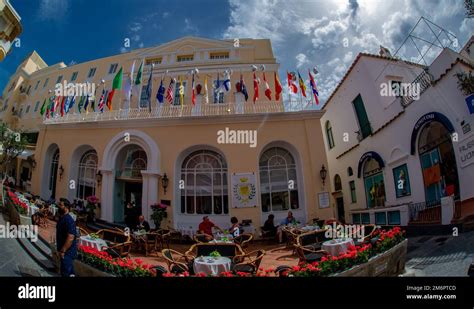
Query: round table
<point x="309" y="228"/>
<point x="337" y="246"/>
<point x="88" y="241"/>
<point x="211" y="265"/>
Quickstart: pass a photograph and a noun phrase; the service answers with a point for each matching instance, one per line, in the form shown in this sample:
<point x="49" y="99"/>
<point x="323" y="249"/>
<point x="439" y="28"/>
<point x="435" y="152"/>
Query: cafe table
<point x="88" y="241"/>
<point x="337" y="246"/>
<point x="212" y="266"/>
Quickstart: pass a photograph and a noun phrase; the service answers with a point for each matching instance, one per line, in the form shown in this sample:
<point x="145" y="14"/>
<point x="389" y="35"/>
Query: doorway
<point x="340" y="209"/>
<point x="133" y="194"/>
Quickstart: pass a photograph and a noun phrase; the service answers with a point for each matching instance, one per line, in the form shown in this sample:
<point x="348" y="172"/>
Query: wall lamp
<point x="165" y="182"/>
<point x="323" y="173"/>
<point x="61" y="172"/>
<point x="99" y="177"/>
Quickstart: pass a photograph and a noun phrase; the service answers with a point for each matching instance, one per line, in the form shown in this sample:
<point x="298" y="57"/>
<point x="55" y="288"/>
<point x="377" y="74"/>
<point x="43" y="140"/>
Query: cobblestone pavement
<point x="439" y="256"/>
<point x="13" y="259"/>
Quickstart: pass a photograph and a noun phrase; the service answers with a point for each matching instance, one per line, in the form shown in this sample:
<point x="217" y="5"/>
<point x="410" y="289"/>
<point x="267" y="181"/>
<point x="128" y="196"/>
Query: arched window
<point x="204" y="173"/>
<point x="349" y="171"/>
<point x="135" y="161"/>
<point x="86" y="181"/>
<point x="337" y="183"/>
<point x="278" y="183"/>
<point x="53" y="172"/>
<point x="329" y="136"/>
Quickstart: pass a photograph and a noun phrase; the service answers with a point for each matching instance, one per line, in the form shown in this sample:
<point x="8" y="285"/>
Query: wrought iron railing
<point x="424" y="80"/>
<point x="171" y="111"/>
<point x="425" y="211"/>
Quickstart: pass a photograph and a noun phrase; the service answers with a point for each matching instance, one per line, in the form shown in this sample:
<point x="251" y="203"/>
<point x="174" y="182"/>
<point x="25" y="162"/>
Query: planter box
<point x="84" y="270"/>
<point x="391" y="263"/>
<point x="25" y="220"/>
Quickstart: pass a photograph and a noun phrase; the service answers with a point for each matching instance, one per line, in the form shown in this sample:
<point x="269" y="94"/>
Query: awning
<point x="26" y="154"/>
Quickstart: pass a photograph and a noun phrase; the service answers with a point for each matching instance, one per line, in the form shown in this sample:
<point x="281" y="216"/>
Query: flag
<point x="302" y="85"/>
<point x="86" y="103"/>
<point x="255" y="88"/>
<point x="116" y="85"/>
<point x="69" y="104"/>
<point x="80" y="104"/>
<point x="138" y="79"/>
<point x="66" y="105"/>
<point x="206" y="94"/>
<point x="268" y="92"/>
<point x="193" y="98"/>
<point x="62" y="106"/>
<point x="56" y="104"/>
<point x="278" y="88"/>
<point x="148" y="88"/>
<point x="160" y="95"/>
<point x="226" y="84"/>
<point x="291" y="85"/>
<point x="181" y="91"/>
<point x="102" y="101"/>
<point x="313" y="87"/>
<point x="43" y="108"/>
<point x="243" y="88"/>
<point x="169" y="92"/>
<point x="127" y="88"/>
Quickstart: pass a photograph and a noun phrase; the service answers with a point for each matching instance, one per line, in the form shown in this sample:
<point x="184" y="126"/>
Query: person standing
<point x="66" y="243"/>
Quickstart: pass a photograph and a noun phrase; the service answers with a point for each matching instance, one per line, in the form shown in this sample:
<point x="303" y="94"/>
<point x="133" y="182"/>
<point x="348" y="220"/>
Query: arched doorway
<point x="83" y="170"/>
<point x="370" y="168"/>
<point x="339" y="198"/>
<point x="438" y="162"/>
<point x="49" y="176"/>
<point x="129" y="164"/>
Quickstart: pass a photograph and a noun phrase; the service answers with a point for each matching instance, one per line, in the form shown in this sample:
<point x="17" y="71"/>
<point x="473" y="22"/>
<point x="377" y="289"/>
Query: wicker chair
<point x="164" y="238"/>
<point x="291" y="235"/>
<point x="369" y="231"/>
<point x="201" y="238"/>
<point x="252" y="264"/>
<point x="307" y="254"/>
<point x="205" y="249"/>
<point x="243" y="240"/>
<point x="121" y="244"/>
<point x="312" y="239"/>
<point x="122" y="249"/>
<point x="151" y="242"/>
<point x="178" y="264"/>
<point x="83" y="232"/>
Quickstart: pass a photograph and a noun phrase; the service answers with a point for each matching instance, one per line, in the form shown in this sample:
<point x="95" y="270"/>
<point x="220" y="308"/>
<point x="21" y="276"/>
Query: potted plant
<point x="91" y="206"/>
<point x="159" y="213"/>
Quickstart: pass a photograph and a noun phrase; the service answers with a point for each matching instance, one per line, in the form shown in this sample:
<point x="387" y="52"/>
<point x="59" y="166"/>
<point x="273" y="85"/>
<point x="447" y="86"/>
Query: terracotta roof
<point x="355" y="62"/>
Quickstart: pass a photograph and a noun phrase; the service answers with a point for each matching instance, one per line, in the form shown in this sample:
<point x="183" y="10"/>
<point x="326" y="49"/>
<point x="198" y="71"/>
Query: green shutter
<point x="364" y="123"/>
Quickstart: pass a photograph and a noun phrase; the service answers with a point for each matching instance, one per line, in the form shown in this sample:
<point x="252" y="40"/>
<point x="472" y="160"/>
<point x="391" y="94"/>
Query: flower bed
<point x="120" y="267"/>
<point x="357" y="255"/>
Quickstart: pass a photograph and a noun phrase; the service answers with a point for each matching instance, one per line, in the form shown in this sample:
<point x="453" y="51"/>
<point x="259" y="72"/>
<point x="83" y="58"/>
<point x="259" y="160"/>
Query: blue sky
<point x="327" y="34"/>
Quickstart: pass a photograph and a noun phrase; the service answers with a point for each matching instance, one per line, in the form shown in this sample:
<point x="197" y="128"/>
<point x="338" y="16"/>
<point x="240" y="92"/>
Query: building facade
<point x="207" y="150"/>
<point x="10" y="27"/>
<point x="393" y="156"/>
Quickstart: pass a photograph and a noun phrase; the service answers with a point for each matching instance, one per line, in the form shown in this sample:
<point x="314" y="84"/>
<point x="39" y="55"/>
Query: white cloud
<point x="301" y="60"/>
<point x="136" y="26"/>
<point x="54" y="10"/>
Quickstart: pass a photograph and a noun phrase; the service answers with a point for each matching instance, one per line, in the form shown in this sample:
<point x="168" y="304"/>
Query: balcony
<point x="172" y="111"/>
<point x="10" y="27"/>
<point x="424" y="80"/>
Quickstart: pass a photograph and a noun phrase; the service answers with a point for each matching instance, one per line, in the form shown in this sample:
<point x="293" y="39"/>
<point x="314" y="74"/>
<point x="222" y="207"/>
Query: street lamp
<point x="323" y="173"/>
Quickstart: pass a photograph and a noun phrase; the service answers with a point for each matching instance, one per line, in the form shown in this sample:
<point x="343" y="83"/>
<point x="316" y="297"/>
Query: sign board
<point x="470" y="103"/>
<point x="466" y="151"/>
<point x="244" y="190"/>
<point x="323" y="198"/>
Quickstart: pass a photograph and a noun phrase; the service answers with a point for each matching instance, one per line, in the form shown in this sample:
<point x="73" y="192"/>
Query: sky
<point x="326" y="34"/>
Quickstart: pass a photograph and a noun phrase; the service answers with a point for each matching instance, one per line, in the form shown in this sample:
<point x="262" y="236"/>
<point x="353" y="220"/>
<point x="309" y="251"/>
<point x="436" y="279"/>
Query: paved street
<point x="12" y="256"/>
<point x="443" y="255"/>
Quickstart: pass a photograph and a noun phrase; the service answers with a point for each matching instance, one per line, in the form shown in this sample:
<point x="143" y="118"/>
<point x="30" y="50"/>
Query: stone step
<point x="39" y="256"/>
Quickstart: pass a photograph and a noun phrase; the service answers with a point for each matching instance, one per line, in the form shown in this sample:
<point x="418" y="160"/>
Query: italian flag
<point x="117" y="84"/>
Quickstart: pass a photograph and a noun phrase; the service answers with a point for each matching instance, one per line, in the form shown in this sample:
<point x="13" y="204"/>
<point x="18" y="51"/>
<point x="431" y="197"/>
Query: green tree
<point x="12" y="144"/>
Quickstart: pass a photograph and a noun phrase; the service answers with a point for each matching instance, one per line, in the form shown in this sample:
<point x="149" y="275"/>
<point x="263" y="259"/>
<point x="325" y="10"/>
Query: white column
<point x="150" y="193"/>
<point x="107" y="195"/>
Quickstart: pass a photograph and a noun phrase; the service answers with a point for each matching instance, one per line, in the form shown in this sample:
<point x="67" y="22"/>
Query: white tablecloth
<point x="97" y="243"/>
<point x="337" y="246"/>
<point x="211" y="266"/>
<point x="186" y="231"/>
<point x="309" y="228"/>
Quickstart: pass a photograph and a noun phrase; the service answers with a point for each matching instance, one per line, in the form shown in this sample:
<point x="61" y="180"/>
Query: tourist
<point x="234" y="230"/>
<point x="289" y="219"/>
<point x="269" y="226"/>
<point x="66" y="240"/>
<point x="142" y="224"/>
<point x="205" y="227"/>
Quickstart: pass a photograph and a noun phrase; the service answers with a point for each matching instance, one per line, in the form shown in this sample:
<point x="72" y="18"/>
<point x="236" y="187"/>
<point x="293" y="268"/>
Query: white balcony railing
<point x="171" y="111"/>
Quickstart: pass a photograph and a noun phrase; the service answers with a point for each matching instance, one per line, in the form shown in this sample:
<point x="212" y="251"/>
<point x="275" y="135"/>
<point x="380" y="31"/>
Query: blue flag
<point x="66" y="105"/>
<point x="71" y="104"/>
<point x="243" y="88"/>
<point x="148" y="89"/>
<point x="160" y="95"/>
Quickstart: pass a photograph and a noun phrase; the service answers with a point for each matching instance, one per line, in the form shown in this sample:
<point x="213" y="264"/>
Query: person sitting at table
<point x="269" y="226"/>
<point x="142" y="224"/>
<point x="205" y="228"/>
<point x="234" y="230"/>
<point x="289" y="219"/>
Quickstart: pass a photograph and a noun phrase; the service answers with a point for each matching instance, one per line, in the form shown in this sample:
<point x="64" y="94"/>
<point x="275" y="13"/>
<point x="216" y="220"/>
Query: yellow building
<point x="224" y="158"/>
<point x="10" y="27"/>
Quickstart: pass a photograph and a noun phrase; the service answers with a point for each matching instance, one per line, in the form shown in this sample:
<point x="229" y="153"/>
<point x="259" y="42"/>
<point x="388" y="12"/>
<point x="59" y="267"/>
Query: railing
<point x="425" y="212"/>
<point x="171" y="111"/>
<point x="424" y="80"/>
